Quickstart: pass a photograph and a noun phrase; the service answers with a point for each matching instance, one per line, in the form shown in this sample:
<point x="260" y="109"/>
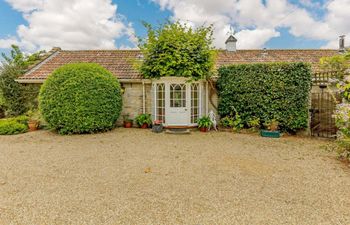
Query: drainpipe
<point x="143" y="97"/>
<point x="206" y="98"/>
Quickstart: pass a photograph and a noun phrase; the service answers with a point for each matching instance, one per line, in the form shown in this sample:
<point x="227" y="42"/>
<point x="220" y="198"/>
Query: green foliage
<point x="266" y="91"/>
<point x="19" y="60"/>
<point x="226" y="122"/>
<point x="80" y="98"/>
<point x="126" y="118"/>
<point x="23" y="119"/>
<point x="15" y="125"/>
<point x="204" y="122"/>
<point x="254" y="123"/>
<point x="12" y="90"/>
<point x="237" y="122"/>
<point x="174" y="49"/>
<point x="339" y="63"/>
<point x="2" y="105"/>
<point x="143" y="119"/>
<point x="17" y="98"/>
<point x="271" y="125"/>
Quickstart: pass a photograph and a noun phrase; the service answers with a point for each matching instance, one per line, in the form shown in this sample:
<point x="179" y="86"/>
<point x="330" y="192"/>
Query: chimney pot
<point x="231" y="44"/>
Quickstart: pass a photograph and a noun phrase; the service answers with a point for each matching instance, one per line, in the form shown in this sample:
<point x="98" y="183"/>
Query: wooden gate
<point x="323" y="105"/>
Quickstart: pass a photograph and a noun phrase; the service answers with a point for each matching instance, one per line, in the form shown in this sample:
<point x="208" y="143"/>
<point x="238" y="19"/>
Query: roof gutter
<point x="40" y="81"/>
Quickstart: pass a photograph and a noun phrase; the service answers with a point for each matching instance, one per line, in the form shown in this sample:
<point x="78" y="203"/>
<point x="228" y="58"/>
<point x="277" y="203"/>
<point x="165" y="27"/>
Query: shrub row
<point x="266" y="91"/>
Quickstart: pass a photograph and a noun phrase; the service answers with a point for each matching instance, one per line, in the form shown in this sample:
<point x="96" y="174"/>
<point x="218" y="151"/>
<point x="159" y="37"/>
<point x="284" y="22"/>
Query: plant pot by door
<point x="33" y="125"/>
<point x="144" y="126"/>
<point x="203" y="129"/>
<point x="127" y="124"/>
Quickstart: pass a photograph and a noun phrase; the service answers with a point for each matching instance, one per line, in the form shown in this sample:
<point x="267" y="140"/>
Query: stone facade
<point x="133" y="99"/>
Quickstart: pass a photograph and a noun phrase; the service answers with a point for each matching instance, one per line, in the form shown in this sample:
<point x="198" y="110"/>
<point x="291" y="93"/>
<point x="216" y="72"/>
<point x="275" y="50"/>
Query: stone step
<point x="177" y="131"/>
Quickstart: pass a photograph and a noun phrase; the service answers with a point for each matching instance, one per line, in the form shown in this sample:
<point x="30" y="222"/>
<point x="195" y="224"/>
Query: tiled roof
<point x="122" y="62"/>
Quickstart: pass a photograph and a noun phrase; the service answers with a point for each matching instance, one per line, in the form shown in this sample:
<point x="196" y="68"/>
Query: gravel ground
<point x="132" y="176"/>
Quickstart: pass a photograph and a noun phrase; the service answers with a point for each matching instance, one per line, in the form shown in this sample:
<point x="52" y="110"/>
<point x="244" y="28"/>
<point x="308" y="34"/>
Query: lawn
<point x="132" y="176"/>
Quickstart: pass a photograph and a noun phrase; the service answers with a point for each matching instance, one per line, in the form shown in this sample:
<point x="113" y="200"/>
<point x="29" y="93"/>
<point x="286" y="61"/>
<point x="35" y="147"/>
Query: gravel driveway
<point x="132" y="176"/>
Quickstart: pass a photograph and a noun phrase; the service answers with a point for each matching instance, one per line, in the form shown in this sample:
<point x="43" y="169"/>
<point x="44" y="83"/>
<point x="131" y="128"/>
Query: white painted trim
<point x="206" y="98"/>
<point x="169" y="80"/>
<point x="143" y="98"/>
<point x="155" y="100"/>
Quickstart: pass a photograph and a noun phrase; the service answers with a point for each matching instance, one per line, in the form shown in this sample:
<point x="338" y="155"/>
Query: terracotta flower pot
<point x="144" y="126"/>
<point x="203" y="129"/>
<point x="127" y="124"/>
<point x="33" y="125"/>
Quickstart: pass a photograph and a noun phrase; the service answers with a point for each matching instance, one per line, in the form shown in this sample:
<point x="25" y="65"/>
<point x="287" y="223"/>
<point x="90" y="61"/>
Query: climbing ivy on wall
<point x="266" y="91"/>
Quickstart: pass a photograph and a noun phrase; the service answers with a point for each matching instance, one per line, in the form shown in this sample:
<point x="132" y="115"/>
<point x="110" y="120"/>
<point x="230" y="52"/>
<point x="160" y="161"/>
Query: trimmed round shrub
<point x="81" y="98"/>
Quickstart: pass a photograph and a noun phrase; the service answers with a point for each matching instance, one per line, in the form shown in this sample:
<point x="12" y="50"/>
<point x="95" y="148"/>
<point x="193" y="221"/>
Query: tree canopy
<point x="339" y="63"/>
<point x="175" y="49"/>
<point x="16" y="99"/>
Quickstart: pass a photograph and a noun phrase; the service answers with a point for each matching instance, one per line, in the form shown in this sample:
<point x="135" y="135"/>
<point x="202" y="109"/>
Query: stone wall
<point x="133" y="100"/>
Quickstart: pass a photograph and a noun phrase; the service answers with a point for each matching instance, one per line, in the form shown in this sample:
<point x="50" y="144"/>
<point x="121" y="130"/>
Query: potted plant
<point x="204" y="123"/>
<point x="157" y="126"/>
<point x="33" y="120"/>
<point x="271" y="129"/>
<point x="144" y="120"/>
<point x="127" y="121"/>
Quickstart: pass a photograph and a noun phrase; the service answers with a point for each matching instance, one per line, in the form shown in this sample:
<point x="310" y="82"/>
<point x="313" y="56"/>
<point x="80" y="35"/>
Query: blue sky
<point x="106" y="24"/>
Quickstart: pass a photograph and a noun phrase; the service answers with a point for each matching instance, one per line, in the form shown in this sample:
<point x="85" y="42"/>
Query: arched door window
<point x="178" y="95"/>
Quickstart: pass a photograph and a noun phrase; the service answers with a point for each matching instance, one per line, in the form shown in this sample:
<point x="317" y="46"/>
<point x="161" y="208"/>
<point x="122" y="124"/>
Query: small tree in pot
<point x="271" y="129"/>
<point x="127" y="121"/>
<point x="204" y="123"/>
<point x="33" y="120"/>
<point x="144" y="120"/>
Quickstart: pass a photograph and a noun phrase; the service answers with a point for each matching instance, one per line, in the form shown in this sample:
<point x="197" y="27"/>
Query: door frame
<point x="167" y="81"/>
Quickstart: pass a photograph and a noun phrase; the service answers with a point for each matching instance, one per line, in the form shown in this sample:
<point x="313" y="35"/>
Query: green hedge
<point x="81" y="98"/>
<point x="266" y="91"/>
<point x="15" y="125"/>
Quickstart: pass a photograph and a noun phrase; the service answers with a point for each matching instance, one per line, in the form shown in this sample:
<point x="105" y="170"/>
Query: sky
<point x="115" y="24"/>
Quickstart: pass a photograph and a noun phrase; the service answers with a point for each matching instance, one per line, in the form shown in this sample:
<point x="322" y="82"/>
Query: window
<point x="178" y="95"/>
<point x="194" y="102"/>
<point x="160" y="102"/>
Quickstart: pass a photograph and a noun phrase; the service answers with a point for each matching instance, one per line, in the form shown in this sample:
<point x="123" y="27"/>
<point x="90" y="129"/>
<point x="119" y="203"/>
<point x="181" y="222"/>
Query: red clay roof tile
<point x="122" y="62"/>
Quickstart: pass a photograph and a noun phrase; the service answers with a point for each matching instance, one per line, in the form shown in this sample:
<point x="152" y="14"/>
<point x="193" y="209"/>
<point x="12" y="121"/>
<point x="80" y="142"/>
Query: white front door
<point x="177" y="109"/>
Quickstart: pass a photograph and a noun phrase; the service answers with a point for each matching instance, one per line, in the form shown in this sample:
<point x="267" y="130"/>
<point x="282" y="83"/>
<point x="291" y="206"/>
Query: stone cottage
<point x="172" y="100"/>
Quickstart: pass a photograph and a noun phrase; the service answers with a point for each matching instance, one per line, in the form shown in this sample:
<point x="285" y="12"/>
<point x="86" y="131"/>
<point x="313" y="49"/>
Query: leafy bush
<point x="19" y="119"/>
<point x="266" y="91"/>
<point x="254" y="123"/>
<point x="175" y="49"/>
<point x="143" y="119"/>
<point x="2" y="106"/>
<point x="16" y="125"/>
<point x="226" y="122"/>
<point x="17" y="98"/>
<point x="204" y="122"/>
<point x="80" y="98"/>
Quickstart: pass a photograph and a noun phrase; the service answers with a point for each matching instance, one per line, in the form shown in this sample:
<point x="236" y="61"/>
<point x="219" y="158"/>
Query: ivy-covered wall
<point x="266" y="91"/>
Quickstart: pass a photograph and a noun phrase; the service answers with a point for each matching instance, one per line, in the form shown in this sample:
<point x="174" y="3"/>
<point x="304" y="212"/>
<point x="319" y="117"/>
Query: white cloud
<point x="70" y="24"/>
<point x="258" y="20"/>
<point x="7" y="42"/>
